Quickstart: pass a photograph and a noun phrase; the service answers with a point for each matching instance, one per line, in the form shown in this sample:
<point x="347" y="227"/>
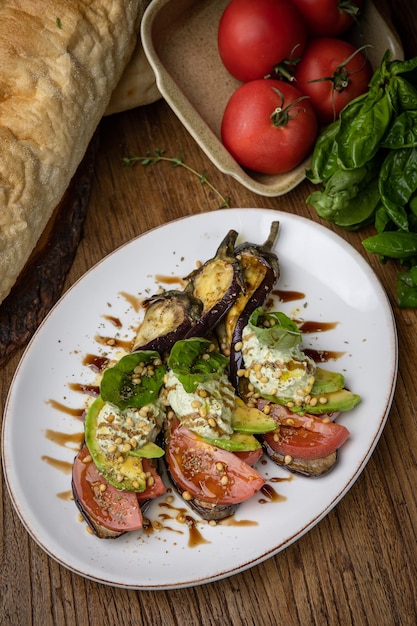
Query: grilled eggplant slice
<point x="305" y="467"/>
<point x="316" y="439"/>
<point x="216" y="284"/>
<point x="260" y="268"/>
<point x="209" y="293"/>
<point x="169" y="317"/>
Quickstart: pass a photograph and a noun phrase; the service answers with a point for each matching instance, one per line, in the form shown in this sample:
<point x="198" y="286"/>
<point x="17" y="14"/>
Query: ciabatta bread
<point x="60" y="61"/>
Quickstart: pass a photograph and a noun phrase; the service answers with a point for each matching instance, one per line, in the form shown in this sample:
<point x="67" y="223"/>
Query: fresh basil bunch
<point x="366" y="162"/>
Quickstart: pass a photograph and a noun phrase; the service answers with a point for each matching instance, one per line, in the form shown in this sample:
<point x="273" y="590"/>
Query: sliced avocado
<point x="326" y="381"/>
<point x="237" y="442"/>
<point x="148" y="451"/>
<point x="127" y="474"/>
<point x="341" y="400"/>
<point x="251" y="420"/>
<point x="131" y="469"/>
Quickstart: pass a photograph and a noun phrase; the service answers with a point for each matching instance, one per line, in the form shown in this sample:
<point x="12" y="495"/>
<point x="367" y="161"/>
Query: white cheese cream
<point x="133" y="427"/>
<point x="281" y="373"/>
<point x="208" y="410"/>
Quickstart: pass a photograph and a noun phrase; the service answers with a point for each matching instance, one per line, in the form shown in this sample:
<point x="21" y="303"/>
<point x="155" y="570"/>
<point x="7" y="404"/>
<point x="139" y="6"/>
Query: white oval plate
<point x="338" y="287"/>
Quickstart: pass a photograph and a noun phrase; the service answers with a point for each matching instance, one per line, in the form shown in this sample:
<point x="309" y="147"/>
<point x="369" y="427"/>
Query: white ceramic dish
<point x="40" y="436"/>
<point x="180" y="41"/>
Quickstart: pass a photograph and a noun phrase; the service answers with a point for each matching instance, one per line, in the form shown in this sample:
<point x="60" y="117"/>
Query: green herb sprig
<point x="177" y="161"/>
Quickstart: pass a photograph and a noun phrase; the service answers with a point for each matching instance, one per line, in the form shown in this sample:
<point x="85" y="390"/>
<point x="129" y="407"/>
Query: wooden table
<point x="359" y="564"/>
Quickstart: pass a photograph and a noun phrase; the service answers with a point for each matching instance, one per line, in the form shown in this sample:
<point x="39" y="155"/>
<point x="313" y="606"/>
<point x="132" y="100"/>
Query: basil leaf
<point x="403" y="94"/>
<point x="403" y="67"/>
<point x="123" y="388"/>
<point x="382" y="220"/>
<point x="349" y="198"/>
<point x="403" y="131"/>
<point x="193" y="361"/>
<point x="393" y="244"/>
<point x="412" y="203"/>
<point x="407" y="288"/>
<point x="363" y="124"/>
<point x="281" y="332"/>
<point x="324" y="160"/>
<point x="397" y="183"/>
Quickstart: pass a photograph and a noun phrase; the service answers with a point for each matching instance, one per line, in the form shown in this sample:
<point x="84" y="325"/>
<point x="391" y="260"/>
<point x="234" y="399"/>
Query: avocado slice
<point x="250" y="420"/>
<point x="127" y="474"/>
<point x="340" y="400"/>
<point x="237" y="442"/>
<point x="148" y="451"/>
<point x="326" y="381"/>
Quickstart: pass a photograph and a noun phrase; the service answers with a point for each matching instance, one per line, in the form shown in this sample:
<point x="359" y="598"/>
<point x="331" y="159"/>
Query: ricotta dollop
<point x="117" y="430"/>
<point x="208" y="410"/>
<point x="285" y="373"/>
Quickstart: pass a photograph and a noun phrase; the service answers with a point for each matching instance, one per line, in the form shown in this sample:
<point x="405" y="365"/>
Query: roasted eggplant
<point x="260" y="268"/>
<point x="305" y="467"/>
<point x="169" y="316"/>
<point x="209" y="293"/>
<point x="216" y="284"/>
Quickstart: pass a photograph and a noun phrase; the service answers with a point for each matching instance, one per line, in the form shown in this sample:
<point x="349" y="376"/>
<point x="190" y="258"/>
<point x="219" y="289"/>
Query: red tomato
<point x="157" y="488"/>
<point x="113" y="509"/>
<point x="250" y="457"/>
<point x="267" y="128"/>
<point x="345" y="70"/>
<point x="201" y="469"/>
<point x="306" y="437"/>
<point x="255" y="37"/>
<point x="329" y="18"/>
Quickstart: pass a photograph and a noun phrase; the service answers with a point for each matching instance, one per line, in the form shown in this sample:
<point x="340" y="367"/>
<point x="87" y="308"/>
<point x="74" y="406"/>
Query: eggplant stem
<point x="273" y="235"/>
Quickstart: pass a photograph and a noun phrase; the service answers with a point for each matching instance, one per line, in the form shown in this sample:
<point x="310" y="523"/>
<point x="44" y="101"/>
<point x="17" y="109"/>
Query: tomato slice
<point x="306" y="436"/>
<point x="157" y="488"/>
<point x="118" y="511"/>
<point x="250" y="457"/>
<point x="208" y="473"/>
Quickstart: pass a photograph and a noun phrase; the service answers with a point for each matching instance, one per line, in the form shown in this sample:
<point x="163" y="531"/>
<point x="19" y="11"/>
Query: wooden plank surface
<point x="359" y="564"/>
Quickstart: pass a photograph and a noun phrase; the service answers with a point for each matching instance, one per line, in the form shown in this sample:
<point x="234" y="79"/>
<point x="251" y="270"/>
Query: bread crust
<point x="60" y="61"/>
<point x="137" y="87"/>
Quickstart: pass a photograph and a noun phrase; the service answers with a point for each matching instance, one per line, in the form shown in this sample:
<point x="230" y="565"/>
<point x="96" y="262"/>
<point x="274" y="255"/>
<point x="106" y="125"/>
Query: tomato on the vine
<point x="255" y="37"/>
<point x="268" y="126"/>
<point x="332" y="72"/>
<point x="329" y="18"/>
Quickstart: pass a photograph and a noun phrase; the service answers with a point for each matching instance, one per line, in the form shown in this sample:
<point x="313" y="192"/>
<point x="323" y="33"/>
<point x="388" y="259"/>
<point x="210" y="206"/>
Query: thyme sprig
<point x="177" y="161"/>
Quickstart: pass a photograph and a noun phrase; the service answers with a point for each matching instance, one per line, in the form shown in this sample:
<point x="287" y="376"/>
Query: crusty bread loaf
<point x="60" y="61"/>
<point x="137" y="86"/>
